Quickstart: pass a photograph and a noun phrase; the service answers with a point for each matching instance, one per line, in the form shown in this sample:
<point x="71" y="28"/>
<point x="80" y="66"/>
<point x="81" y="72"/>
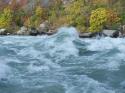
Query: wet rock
<point x="51" y="32"/>
<point x="85" y="35"/>
<point x="3" y="31"/>
<point x="33" y="32"/>
<point x="122" y="30"/>
<point x="23" y="31"/>
<point x="111" y="33"/>
<point x="8" y="34"/>
<point x="104" y="33"/>
<point x="43" y="28"/>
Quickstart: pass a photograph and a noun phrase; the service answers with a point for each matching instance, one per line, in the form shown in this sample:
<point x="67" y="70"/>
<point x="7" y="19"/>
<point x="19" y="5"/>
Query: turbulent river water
<point x="62" y="63"/>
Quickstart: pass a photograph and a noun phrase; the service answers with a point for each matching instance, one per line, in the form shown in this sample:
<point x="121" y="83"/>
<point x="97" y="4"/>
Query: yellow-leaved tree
<point x="102" y="17"/>
<point x="98" y="19"/>
<point x="6" y="18"/>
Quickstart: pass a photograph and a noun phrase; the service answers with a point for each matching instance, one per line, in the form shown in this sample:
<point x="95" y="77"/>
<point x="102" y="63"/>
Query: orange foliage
<point x="15" y="5"/>
<point x="112" y="16"/>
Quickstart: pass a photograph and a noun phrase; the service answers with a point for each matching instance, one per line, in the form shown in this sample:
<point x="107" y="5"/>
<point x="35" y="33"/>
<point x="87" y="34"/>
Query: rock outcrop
<point x="104" y="33"/>
<point x="111" y="33"/>
<point x="3" y="32"/>
<point x="85" y="35"/>
<point x="43" y="28"/>
<point x="23" y="31"/>
<point x="33" y="32"/>
<point x="122" y="30"/>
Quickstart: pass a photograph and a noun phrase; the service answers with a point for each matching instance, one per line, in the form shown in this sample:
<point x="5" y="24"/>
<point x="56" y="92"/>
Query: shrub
<point x="73" y="10"/>
<point x="75" y="14"/>
<point x="36" y="18"/>
<point x="6" y="18"/>
<point x="39" y="11"/>
<point x="52" y="16"/>
<point x="97" y="19"/>
<point x="102" y="17"/>
<point x="112" y="17"/>
<point x="123" y="18"/>
<point x="55" y="11"/>
<point x="61" y="21"/>
<point x="19" y="17"/>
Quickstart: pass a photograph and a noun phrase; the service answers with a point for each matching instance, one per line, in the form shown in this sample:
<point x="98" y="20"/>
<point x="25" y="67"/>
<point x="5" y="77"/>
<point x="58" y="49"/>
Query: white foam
<point x="89" y="85"/>
<point x="68" y="31"/>
<point x="33" y="68"/>
<point x="61" y="44"/>
<point x="46" y="65"/>
<point x="105" y="43"/>
<point x="29" y="51"/>
<point x="104" y="46"/>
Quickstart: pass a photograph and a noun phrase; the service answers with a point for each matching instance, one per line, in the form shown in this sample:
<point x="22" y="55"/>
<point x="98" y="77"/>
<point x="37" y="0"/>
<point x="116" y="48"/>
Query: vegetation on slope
<point x="85" y="15"/>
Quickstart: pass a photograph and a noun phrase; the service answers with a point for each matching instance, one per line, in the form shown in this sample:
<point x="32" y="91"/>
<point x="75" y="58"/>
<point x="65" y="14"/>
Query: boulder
<point x="23" y="31"/>
<point x="104" y="33"/>
<point x="33" y="32"/>
<point x="111" y="33"/>
<point x="85" y="35"/>
<point x="43" y="28"/>
<point x="3" y="31"/>
<point x="51" y="32"/>
<point x="122" y="30"/>
<point x="8" y="34"/>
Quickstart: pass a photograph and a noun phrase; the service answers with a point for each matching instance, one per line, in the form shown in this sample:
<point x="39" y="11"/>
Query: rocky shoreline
<point x="45" y="29"/>
<point x="34" y="32"/>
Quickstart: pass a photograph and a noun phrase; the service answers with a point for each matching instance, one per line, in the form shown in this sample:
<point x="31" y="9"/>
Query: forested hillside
<point x="85" y="15"/>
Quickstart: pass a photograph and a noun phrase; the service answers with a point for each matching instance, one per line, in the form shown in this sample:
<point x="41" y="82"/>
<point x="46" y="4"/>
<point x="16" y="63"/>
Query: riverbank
<point x="46" y="31"/>
<point x="87" y="17"/>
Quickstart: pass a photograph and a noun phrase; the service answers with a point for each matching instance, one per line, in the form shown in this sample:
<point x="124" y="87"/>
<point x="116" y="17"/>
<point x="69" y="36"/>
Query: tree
<point x="103" y="17"/>
<point x="97" y="19"/>
<point x="6" y="18"/>
<point x="75" y="14"/>
<point x="36" y="18"/>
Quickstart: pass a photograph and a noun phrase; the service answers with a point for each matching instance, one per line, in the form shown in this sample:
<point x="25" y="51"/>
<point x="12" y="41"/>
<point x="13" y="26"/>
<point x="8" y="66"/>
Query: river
<point x="62" y="63"/>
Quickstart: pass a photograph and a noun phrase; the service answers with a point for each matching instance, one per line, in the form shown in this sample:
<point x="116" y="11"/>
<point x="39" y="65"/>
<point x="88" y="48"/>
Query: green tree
<point x="36" y="18"/>
<point x="75" y="14"/>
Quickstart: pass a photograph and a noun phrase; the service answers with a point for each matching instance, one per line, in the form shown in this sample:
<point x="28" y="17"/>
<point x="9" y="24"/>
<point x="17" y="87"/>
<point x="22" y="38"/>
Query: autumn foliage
<point x="85" y="15"/>
<point x="102" y="17"/>
<point x="112" y="17"/>
<point x="36" y="18"/>
<point x="6" y="17"/>
<point x="98" y="19"/>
